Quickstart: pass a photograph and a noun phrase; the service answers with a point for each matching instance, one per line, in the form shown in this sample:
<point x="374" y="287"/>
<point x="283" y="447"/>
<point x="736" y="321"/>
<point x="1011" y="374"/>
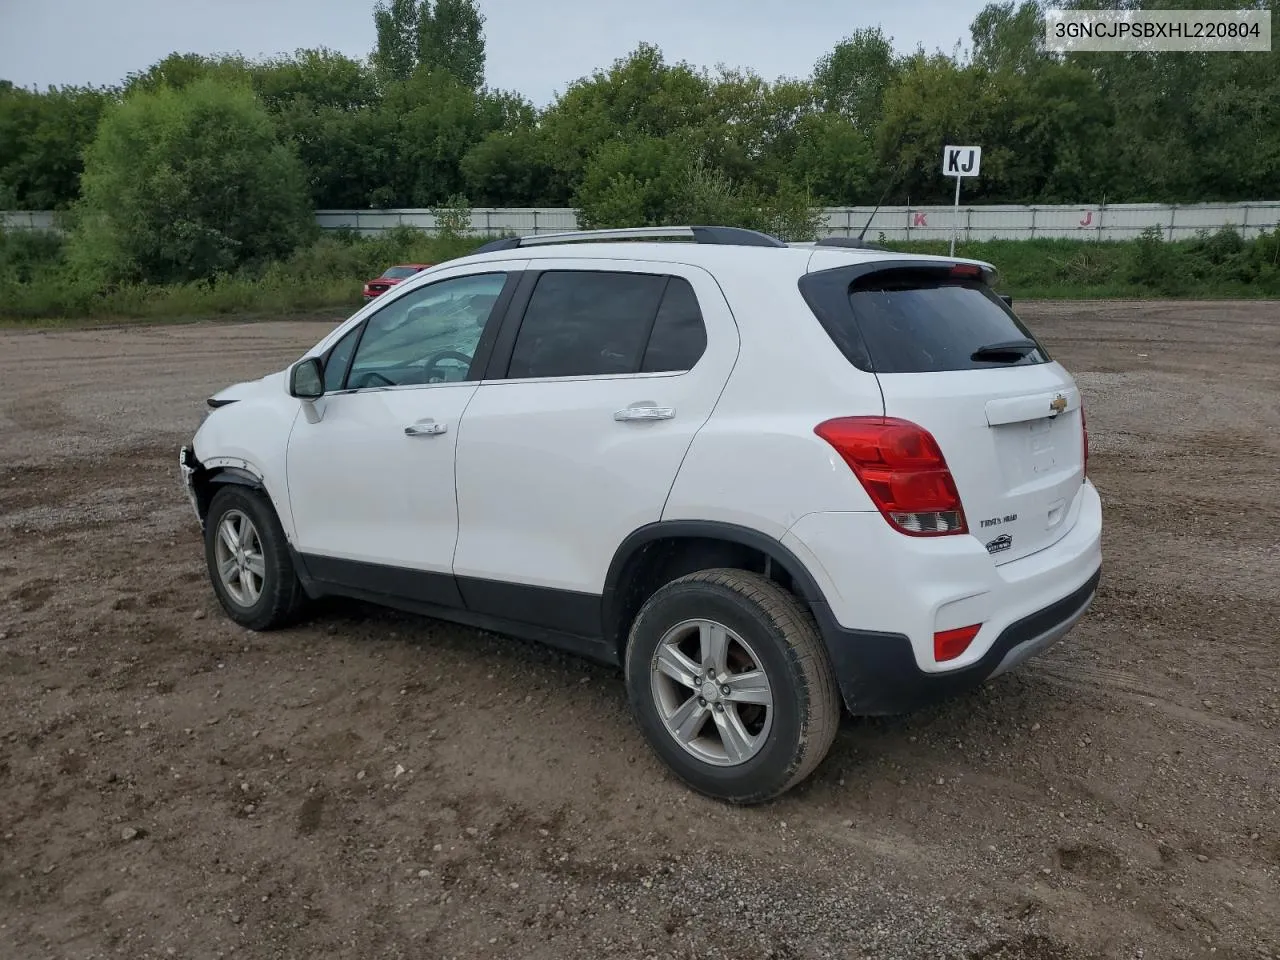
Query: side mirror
<point x="306" y="379"/>
<point x="1008" y="300"/>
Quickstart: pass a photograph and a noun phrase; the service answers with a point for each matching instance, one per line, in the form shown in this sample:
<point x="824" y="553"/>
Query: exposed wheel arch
<point x="658" y="553"/>
<point x="207" y="480"/>
<point x="235" y="475"/>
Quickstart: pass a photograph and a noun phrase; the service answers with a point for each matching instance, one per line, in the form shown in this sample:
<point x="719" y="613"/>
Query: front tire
<point x="248" y="558"/>
<point x="731" y="686"/>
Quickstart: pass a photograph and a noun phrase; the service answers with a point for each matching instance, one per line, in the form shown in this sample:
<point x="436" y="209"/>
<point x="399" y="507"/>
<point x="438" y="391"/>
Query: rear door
<point x="952" y="357"/>
<point x="601" y="376"/>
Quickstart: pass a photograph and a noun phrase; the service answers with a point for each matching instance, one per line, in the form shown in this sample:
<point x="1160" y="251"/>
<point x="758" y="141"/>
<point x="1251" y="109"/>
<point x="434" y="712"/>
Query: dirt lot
<point x="370" y="785"/>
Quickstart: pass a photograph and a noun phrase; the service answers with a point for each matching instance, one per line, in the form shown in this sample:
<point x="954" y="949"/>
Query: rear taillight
<point x="903" y="471"/>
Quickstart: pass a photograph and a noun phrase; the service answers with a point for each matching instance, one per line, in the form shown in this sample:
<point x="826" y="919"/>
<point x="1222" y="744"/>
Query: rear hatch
<point x="952" y="357"/>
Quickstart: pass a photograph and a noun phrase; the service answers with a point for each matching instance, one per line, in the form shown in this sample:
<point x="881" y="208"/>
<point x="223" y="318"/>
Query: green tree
<point x="835" y="160"/>
<point x="659" y="182"/>
<point x="852" y="79"/>
<point x="1009" y="36"/>
<point x="636" y="98"/>
<point x="451" y="38"/>
<point x="179" y="70"/>
<point x="512" y="168"/>
<point x="436" y="121"/>
<point x="326" y="105"/>
<point x="750" y="128"/>
<point x="42" y="141"/>
<point x="183" y="184"/>
<point x="446" y="35"/>
<point x="314" y="78"/>
<point x="396" y="24"/>
<point x="1190" y="126"/>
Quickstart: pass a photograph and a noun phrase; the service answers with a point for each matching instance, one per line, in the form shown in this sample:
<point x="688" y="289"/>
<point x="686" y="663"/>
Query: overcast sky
<point x="534" y="46"/>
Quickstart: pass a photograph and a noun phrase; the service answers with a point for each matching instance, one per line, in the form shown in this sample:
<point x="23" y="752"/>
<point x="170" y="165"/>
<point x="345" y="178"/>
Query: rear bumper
<point x="886" y="595"/>
<point x="877" y="672"/>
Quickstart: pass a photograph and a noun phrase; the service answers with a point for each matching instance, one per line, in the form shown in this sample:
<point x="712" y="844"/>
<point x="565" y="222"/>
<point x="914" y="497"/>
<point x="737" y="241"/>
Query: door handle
<point x="646" y="410"/>
<point x="425" y="428"/>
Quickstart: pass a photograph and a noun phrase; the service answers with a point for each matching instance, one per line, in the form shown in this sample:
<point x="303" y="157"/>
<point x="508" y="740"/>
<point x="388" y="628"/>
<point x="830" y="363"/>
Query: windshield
<point x="399" y="273"/>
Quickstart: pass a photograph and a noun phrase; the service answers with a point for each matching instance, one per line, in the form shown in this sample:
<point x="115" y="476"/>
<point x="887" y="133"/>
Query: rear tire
<point x="729" y="682"/>
<point x="248" y="559"/>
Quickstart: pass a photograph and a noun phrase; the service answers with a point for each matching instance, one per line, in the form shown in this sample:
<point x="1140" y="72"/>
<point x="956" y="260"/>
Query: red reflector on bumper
<point x="949" y="644"/>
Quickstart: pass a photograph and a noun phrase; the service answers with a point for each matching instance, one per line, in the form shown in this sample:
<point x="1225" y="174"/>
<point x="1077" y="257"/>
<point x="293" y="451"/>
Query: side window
<point x="335" y="365"/>
<point x="427" y="336"/>
<point x="679" y="336"/>
<point x="586" y="323"/>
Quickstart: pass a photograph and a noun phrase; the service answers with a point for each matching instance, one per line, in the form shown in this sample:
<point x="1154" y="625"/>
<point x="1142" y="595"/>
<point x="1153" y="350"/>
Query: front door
<point x="371" y="463"/>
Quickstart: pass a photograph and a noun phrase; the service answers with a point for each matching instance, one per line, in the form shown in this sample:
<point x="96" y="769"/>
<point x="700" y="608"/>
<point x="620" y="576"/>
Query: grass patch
<point x="1209" y="266"/>
<point x="38" y="289"/>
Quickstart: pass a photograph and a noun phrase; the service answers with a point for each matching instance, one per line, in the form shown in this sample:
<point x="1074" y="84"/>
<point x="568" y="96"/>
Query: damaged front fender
<point x="190" y="466"/>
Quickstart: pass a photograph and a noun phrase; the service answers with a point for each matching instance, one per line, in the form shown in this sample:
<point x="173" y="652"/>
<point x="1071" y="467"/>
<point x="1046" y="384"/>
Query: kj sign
<point x="960" y="162"/>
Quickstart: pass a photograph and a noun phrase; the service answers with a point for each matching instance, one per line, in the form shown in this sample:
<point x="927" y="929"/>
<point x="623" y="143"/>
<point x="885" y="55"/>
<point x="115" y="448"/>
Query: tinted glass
<point x="586" y="323"/>
<point x="335" y="366"/>
<point x="919" y="326"/>
<point x="399" y="273"/>
<point x="426" y="336"/>
<point x="679" y="336"/>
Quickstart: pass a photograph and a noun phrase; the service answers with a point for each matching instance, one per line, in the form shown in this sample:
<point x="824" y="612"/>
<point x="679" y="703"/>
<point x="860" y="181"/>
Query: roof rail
<point x="729" y="236"/>
<point x="850" y="243"/>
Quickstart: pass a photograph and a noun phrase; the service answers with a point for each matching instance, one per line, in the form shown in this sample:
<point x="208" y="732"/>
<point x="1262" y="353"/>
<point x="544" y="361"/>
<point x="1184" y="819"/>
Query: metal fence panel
<point x="26" y="220"/>
<point x="1116" y="221"/>
<point x="488" y="221"/>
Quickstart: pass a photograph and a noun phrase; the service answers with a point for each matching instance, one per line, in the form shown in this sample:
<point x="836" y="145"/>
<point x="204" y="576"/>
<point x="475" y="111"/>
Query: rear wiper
<point x="1008" y="351"/>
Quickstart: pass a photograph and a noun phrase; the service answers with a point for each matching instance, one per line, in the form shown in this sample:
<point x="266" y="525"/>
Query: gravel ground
<point x="370" y="784"/>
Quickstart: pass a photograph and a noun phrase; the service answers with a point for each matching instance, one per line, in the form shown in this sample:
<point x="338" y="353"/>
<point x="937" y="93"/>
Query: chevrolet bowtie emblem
<point x="1058" y="403"/>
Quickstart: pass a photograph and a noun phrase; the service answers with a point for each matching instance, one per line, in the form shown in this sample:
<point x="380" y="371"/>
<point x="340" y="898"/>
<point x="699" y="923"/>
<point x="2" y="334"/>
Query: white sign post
<point x="959" y="162"/>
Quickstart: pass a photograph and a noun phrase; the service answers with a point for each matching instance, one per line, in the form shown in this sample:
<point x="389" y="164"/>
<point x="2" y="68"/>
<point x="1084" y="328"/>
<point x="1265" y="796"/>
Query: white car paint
<point x="535" y="483"/>
<point x="550" y="483"/>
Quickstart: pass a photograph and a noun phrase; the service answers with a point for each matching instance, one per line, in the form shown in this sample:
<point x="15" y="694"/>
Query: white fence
<point x="1083" y="222"/>
<point x="489" y="221"/>
<point x="26" y="220"/>
<point x="1116" y="221"/>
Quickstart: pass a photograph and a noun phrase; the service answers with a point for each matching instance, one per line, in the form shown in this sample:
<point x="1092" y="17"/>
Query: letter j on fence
<point x="959" y="162"/>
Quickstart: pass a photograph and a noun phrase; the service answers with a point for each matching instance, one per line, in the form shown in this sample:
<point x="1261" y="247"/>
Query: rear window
<point x="914" y="321"/>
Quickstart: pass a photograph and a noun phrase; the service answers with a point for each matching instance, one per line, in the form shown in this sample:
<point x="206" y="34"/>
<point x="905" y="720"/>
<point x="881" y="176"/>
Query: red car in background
<point x="390" y="277"/>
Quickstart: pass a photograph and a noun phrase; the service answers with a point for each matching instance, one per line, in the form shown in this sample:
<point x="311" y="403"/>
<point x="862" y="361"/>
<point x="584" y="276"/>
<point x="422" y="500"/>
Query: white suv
<point x="764" y="479"/>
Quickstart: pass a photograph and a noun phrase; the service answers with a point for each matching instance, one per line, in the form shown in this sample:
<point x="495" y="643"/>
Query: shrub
<point x="454" y="219"/>
<point x="660" y="183"/>
<point x="1152" y="263"/>
<point x="24" y="254"/>
<point x="184" y="184"/>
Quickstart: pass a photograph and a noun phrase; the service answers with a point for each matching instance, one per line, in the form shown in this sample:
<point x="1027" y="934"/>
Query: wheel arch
<point x="660" y="552"/>
<point x="208" y="477"/>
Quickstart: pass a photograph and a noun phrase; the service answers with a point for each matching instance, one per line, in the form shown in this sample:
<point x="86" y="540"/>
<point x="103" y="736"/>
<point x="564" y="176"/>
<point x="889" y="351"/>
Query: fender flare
<point x="237" y="475"/>
<point x="631" y="547"/>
